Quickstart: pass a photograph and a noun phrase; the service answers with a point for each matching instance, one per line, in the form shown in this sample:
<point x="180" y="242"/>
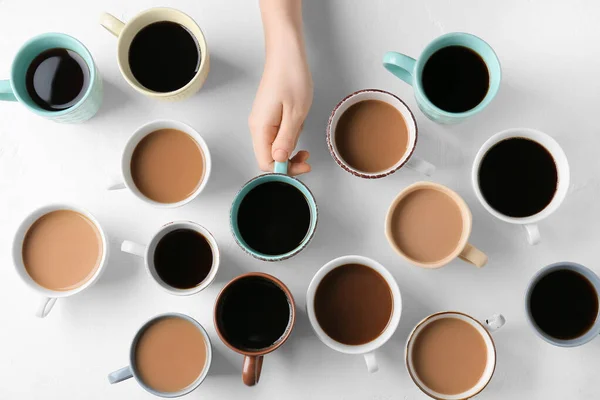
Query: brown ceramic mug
<point x="254" y="315"/>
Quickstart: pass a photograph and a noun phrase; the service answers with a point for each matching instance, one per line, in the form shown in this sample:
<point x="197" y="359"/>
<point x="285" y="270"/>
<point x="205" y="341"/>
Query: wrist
<point x="283" y="37"/>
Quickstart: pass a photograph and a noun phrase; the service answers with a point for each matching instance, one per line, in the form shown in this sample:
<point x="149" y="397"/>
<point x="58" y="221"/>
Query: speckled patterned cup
<point x="408" y="159"/>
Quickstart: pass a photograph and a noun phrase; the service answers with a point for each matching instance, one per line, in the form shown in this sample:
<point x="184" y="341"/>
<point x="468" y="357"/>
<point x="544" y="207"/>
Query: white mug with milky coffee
<point x="59" y="250"/>
<point x="452" y="356"/>
<point x="378" y="139"/>
<point x="172" y="171"/>
<point x="147" y="252"/>
<point x="169" y="356"/>
<point x="429" y="225"/>
<point x="345" y="303"/>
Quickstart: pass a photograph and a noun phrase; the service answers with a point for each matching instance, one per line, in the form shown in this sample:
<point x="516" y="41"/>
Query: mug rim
<point x="152" y="126"/>
<point x="61" y="36"/>
<point x="465" y="211"/>
<point x="393" y="321"/>
<point x="17" y="249"/>
<point x="160" y="234"/>
<point x="562" y="170"/>
<point x="310" y="201"/>
<point x="405" y="157"/>
<point x="291" y="322"/>
<point x="420" y="64"/>
<point x="197" y="382"/>
<point x="202" y="47"/>
<point x="411" y="337"/>
<point x="591" y="276"/>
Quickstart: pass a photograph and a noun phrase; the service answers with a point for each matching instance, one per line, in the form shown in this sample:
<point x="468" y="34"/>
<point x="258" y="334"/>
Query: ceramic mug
<point x="147" y="253"/>
<point x="367" y="350"/>
<point x="408" y="159"/>
<point x="15" y="89"/>
<point x="562" y="168"/>
<point x="464" y="250"/>
<point x="130" y="371"/>
<point x="253" y="359"/>
<point x="411" y="71"/>
<point x="137" y="137"/>
<point x="280" y="175"/>
<point x="125" y="32"/>
<point x="49" y="296"/>
<point x="490" y="325"/>
<point x="591" y="277"/>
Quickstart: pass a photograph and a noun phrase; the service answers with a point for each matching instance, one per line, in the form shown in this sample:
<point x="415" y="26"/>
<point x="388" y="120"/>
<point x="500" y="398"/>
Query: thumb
<point x="285" y="141"/>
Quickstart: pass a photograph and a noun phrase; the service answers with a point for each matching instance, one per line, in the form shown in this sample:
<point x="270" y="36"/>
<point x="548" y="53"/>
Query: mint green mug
<point x="15" y="88"/>
<point x="410" y="71"/>
<point x="280" y="175"/>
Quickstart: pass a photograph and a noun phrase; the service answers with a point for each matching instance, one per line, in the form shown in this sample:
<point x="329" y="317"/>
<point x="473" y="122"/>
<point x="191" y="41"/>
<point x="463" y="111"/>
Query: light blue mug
<point x="593" y="332"/>
<point x="15" y="88"/>
<point x="280" y="175"/>
<point x="410" y="71"/>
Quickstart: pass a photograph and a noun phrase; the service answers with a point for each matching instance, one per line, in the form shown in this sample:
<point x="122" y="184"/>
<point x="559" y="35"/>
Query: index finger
<point x="262" y="140"/>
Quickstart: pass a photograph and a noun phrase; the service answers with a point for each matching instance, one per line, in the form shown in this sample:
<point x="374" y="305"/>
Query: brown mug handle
<point x="251" y="370"/>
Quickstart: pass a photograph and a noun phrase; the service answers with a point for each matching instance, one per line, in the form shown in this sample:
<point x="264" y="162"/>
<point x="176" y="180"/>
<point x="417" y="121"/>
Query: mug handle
<point x="495" y="322"/>
<point x="251" y="370"/>
<point x="45" y="307"/>
<point x="473" y="255"/>
<point x="117" y="186"/>
<point x="120" y="375"/>
<point x="281" y="167"/>
<point x="133" y="248"/>
<point x="533" y="234"/>
<point x="418" y="164"/>
<point x="111" y="23"/>
<point x="401" y="65"/>
<point x="371" y="360"/>
<point x="6" y="91"/>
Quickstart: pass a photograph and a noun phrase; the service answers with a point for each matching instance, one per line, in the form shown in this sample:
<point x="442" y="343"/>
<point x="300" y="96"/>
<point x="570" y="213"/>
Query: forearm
<point x="282" y="21"/>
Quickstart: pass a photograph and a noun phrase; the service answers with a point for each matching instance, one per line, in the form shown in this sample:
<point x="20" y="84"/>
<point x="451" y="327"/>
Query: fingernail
<point x="280" y="155"/>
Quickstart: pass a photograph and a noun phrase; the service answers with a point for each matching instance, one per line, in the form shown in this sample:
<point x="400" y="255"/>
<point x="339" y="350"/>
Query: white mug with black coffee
<point x="521" y="176"/>
<point x="182" y="257"/>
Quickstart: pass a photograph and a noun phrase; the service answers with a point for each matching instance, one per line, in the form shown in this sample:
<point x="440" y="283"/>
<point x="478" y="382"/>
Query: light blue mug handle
<point x="281" y="167"/>
<point x="400" y="65"/>
<point x="6" y="92"/>
<point x="120" y="375"/>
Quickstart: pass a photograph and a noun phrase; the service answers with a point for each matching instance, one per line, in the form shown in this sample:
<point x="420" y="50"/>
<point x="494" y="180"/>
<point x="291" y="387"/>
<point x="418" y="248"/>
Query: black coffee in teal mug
<point x="83" y="97"/>
<point x="456" y="76"/>
<point x="274" y="216"/>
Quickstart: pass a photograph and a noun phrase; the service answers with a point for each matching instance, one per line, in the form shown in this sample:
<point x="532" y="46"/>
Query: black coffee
<point x="253" y="313"/>
<point x="183" y="258"/>
<point x="564" y="304"/>
<point x="455" y="79"/>
<point x="164" y="56"/>
<point x="274" y="218"/>
<point x="57" y="79"/>
<point x="518" y="177"/>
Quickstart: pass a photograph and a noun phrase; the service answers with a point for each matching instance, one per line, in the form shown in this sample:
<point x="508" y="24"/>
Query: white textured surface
<point x="550" y="59"/>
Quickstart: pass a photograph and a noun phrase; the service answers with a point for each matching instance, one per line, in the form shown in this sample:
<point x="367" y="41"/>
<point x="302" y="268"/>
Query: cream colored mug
<point x="125" y="32"/>
<point x="429" y="231"/>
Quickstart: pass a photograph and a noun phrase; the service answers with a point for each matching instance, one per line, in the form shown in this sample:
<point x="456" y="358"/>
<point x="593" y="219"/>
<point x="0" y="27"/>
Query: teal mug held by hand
<point x="411" y="71"/>
<point x="15" y="89"/>
<point x="274" y="216"/>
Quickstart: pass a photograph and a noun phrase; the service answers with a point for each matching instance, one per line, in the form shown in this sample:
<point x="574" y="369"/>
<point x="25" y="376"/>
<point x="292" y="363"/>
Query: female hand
<point x="283" y="99"/>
